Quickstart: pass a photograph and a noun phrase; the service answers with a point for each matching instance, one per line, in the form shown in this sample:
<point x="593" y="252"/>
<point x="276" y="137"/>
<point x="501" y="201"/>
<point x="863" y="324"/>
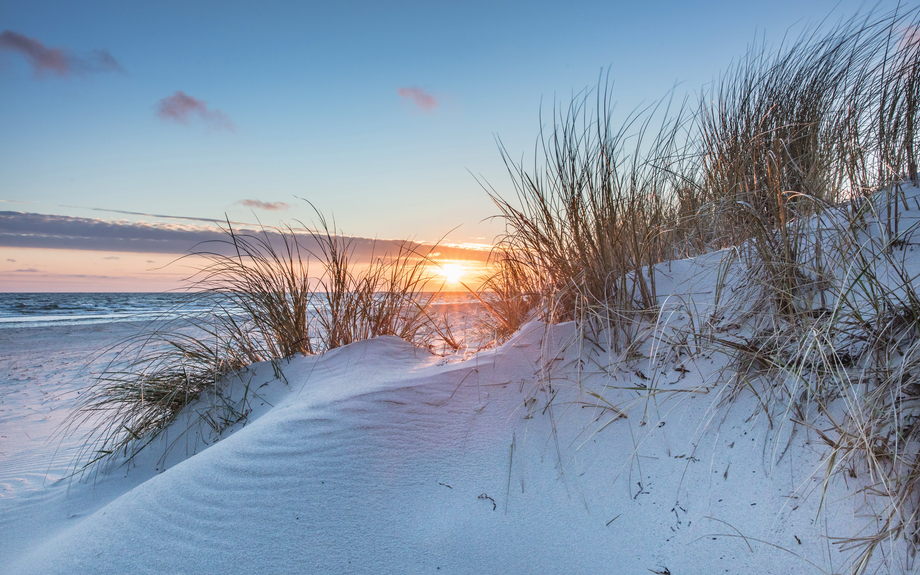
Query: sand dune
<point x="379" y="457"/>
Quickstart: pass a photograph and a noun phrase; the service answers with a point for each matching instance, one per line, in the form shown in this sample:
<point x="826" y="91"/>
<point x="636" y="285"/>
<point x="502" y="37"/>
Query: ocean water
<point x="53" y="309"/>
<point x="59" y="309"/>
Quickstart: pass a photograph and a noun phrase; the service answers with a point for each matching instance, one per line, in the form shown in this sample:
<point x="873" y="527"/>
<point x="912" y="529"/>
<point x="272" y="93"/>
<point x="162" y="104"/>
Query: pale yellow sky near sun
<point x="47" y="270"/>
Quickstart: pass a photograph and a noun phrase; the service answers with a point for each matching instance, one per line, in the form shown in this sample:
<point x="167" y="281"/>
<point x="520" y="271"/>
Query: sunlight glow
<point x="452" y="273"/>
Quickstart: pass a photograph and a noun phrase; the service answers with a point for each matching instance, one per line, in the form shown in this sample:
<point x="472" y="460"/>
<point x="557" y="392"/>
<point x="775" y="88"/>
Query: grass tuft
<point x="264" y="306"/>
<point x="792" y="162"/>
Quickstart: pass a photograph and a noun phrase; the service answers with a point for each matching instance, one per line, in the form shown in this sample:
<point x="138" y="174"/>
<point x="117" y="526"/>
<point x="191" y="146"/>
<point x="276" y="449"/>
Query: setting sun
<point x="453" y="273"/>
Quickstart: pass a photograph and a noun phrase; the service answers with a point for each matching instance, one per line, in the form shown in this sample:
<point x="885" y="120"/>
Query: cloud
<point x="30" y="230"/>
<point x="19" y="229"/>
<point x="111" y="258"/>
<point x="27" y="271"/>
<point x="103" y="61"/>
<point x="41" y="58"/>
<point x="58" y="61"/>
<point x="180" y="107"/>
<point x="11" y="260"/>
<point x="161" y="216"/>
<point x="259" y="204"/>
<point x="421" y="98"/>
<point x="146" y="214"/>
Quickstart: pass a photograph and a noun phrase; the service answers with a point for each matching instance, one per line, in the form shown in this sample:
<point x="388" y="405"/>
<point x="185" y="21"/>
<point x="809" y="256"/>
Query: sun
<point x="453" y="273"/>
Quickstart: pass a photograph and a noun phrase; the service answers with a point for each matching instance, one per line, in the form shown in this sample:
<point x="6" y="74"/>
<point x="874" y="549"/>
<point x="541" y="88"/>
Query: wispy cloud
<point x="163" y="216"/>
<point x="260" y="205"/>
<point x="129" y="213"/>
<point x="11" y="260"/>
<point x="26" y="271"/>
<point x="422" y="99"/>
<point x="180" y="107"/>
<point x="111" y="258"/>
<point x="102" y="60"/>
<point x="30" y="230"/>
<point x="58" y="61"/>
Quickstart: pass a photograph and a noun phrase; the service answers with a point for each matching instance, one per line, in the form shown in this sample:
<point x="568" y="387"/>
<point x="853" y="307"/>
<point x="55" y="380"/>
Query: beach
<point x="668" y="322"/>
<point x="43" y="369"/>
<point x="380" y="456"/>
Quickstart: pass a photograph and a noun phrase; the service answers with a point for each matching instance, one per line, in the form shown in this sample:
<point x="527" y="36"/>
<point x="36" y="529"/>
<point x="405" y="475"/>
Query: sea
<point x="20" y="310"/>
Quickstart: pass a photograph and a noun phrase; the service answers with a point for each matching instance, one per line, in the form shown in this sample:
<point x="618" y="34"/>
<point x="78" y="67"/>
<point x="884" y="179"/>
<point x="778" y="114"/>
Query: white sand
<point x="382" y="458"/>
<point x="42" y="370"/>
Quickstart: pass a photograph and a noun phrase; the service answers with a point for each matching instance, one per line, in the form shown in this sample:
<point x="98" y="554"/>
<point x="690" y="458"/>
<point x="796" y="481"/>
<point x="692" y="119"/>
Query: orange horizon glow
<point x="24" y="270"/>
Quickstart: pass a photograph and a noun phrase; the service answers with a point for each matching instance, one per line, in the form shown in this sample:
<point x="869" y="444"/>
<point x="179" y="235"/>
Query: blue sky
<point x="378" y="113"/>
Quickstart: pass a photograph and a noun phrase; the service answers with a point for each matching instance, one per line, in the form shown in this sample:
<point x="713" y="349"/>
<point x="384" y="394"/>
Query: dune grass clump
<point x="510" y="294"/>
<point x="787" y="141"/>
<point x="266" y="295"/>
<point x="138" y="394"/>
<point x="781" y="136"/>
<point x="785" y="134"/>
<point x="596" y="215"/>
<point x="793" y="161"/>
<point x="264" y="306"/>
<point x="388" y="296"/>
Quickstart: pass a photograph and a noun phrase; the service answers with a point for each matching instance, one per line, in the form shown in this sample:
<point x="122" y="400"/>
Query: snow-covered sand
<point x="380" y="457"/>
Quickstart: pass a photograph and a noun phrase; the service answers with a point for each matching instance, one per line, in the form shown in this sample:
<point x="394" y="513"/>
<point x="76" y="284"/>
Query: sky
<point x="130" y="130"/>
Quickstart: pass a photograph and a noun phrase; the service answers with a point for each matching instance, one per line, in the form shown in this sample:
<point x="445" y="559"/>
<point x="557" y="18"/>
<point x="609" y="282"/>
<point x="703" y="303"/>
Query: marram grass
<point x="780" y="160"/>
<point x="266" y="306"/>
